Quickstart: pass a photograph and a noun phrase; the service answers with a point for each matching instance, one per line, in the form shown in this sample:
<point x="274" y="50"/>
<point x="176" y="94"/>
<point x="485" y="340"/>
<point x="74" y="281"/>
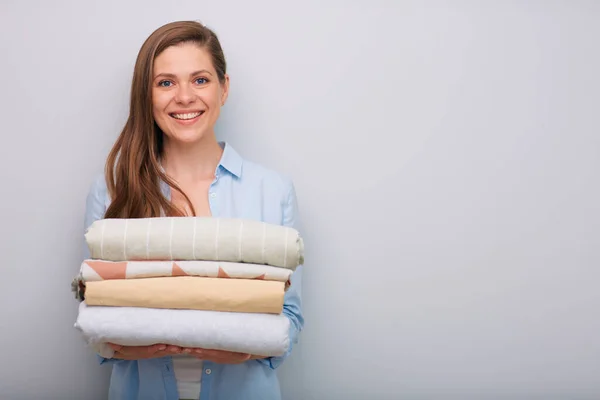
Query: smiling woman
<point x="168" y="162"/>
<point x="179" y="85"/>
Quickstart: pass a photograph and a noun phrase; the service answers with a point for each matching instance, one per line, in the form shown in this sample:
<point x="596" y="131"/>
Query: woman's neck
<point x="186" y="162"/>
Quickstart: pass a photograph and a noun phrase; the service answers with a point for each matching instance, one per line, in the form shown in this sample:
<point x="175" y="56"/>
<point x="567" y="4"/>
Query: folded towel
<point x="195" y="238"/>
<point x="258" y="334"/>
<point x="189" y="292"/>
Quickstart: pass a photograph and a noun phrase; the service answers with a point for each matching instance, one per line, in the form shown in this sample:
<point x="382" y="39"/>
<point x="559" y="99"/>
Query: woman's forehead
<point x="183" y="59"/>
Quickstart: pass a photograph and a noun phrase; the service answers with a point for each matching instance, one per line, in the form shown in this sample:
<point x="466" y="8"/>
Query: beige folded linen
<point x="195" y="238"/>
<point x="189" y="292"/>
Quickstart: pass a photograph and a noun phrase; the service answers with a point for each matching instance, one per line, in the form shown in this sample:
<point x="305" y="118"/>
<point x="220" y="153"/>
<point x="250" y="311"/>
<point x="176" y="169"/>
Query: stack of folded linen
<point x="200" y="282"/>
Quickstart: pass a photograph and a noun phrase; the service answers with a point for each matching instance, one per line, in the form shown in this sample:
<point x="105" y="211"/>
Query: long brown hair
<point x="132" y="169"/>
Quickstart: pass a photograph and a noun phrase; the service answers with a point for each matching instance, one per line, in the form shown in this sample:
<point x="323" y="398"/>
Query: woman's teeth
<point x="187" y="116"/>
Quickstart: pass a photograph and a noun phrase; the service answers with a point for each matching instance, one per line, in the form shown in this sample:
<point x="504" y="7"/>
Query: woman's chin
<point x="186" y="137"/>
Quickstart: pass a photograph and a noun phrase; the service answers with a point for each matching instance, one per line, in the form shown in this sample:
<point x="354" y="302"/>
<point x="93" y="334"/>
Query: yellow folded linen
<point x="189" y="292"/>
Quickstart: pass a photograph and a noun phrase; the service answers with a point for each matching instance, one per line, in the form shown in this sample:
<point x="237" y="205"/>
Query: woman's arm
<point x="292" y="303"/>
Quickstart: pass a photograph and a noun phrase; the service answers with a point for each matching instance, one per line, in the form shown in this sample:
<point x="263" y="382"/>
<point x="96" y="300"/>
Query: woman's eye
<point x="164" y="83"/>
<point x="200" y="81"/>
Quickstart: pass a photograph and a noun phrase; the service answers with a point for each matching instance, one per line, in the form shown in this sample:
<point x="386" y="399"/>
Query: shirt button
<point x="213" y="194"/>
<point x="208" y="371"/>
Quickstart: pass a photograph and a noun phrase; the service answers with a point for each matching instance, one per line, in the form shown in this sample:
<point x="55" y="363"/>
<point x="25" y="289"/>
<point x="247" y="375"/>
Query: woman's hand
<point x="162" y="350"/>
<point x="144" y="352"/>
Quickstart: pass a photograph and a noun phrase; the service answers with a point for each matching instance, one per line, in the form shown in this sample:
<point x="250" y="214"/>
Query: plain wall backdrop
<point x="446" y="156"/>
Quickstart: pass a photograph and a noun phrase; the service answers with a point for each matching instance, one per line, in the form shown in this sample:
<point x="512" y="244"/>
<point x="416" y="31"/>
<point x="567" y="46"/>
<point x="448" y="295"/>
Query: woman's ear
<point x="225" y="90"/>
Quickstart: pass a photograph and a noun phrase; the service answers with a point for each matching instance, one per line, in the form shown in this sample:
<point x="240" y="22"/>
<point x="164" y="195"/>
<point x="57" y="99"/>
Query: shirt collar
<point x="231" y="160"/>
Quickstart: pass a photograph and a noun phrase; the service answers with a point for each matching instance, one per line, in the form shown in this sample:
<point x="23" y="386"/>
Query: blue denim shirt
<point x="241" y="189"/>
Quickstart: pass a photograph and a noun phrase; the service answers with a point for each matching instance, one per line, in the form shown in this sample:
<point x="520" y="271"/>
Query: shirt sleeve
<point x="292" y="303"/>
<point x="94" y="208"/>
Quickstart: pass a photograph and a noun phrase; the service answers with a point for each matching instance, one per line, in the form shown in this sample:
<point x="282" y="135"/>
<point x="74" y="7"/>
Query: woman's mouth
<point x="187" y="117"/>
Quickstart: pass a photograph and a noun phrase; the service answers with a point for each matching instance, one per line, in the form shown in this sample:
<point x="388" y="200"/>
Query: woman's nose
<point x="185" y="94"/>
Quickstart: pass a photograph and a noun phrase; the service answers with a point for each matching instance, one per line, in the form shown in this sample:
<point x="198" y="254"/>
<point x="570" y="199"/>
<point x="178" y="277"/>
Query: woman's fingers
<point x="155" y="348"/>
<point x="138" y="350"/>
<point x="218" y="356"/>
<point x="174" y="349"/>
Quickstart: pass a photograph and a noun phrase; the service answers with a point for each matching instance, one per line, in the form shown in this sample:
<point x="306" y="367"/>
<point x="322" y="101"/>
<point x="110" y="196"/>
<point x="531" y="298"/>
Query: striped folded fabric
<point x="195" y="238"/>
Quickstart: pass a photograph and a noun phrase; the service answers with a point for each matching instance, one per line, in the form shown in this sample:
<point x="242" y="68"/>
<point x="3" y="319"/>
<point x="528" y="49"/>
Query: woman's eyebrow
<point x="172" y="76"/>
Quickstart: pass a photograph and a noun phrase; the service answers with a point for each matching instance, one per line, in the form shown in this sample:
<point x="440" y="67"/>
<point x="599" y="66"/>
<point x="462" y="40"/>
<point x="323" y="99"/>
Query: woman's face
<point x="186" y="93"/>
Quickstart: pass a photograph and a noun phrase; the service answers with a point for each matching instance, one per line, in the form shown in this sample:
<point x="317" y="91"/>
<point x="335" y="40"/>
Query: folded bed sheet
<point x="258" y="334"/>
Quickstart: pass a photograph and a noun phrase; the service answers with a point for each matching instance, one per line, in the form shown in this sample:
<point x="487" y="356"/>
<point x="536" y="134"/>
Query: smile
<point x="186" y="116"/>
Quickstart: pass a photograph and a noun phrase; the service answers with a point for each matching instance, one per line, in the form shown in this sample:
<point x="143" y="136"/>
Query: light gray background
<point x="446" y="157"/>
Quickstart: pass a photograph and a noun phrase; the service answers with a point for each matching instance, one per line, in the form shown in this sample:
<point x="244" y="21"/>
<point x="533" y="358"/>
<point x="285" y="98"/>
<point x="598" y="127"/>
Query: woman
<point x="167" y="161"/>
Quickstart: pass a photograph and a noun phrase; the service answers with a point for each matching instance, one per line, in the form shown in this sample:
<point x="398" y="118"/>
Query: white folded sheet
<point x="258" y="334"/>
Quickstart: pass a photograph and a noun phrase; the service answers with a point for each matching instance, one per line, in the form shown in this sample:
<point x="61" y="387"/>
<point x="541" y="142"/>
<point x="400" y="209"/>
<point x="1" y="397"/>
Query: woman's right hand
<point x="144" y="352"/>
